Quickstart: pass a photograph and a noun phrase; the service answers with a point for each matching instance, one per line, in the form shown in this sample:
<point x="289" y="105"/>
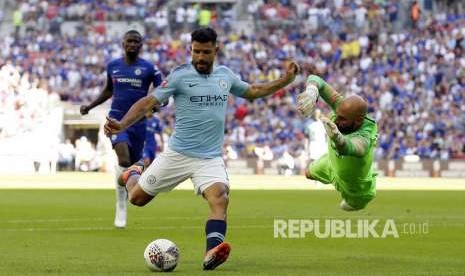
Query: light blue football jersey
<point x="200" y="108"/>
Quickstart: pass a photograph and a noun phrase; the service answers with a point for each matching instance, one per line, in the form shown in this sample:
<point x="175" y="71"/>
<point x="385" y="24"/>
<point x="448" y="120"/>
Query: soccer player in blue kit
<point x="200" y="91"/>
<point x="154" y="127"/>
<point x="128" y="80"/>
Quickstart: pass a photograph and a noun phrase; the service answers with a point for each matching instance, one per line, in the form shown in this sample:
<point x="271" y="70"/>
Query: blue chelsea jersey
<point x="200" y="107"/>
<point x="130" y="83"/>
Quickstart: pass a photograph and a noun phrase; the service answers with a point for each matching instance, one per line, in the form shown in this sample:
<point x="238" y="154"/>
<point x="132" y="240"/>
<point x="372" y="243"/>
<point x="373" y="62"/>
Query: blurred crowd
<point x="25" y="101"/>
<point x="87" y="10"/>
<point x="412" y="72"/>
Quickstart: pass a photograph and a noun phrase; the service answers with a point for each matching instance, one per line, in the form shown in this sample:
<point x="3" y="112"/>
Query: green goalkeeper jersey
<point x="352" y="166"/>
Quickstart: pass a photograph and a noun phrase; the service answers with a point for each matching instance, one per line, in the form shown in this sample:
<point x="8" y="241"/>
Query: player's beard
<point x="205" y="65"/>
<point x="347" y="129"/>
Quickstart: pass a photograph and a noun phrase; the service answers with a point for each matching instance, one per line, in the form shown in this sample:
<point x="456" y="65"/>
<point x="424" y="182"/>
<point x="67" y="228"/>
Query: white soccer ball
<point x="161" y="255"/>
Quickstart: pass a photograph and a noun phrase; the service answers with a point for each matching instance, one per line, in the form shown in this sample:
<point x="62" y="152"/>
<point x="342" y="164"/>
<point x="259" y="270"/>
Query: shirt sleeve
<point x="329" y="95"/>
<point x="109" y="79"/>
<point x="356" y="145"/>
<point x="166" y="88"/>
<point x="238" y="86"/>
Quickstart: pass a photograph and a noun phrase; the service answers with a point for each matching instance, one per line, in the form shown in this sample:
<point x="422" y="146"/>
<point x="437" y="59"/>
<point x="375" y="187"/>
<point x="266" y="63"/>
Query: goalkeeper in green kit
<point x="352" y="140"/>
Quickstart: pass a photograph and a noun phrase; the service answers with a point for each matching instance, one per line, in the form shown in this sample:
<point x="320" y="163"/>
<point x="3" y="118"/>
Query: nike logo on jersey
<point x="115" y="71"/>
<point x="193" y="84"/>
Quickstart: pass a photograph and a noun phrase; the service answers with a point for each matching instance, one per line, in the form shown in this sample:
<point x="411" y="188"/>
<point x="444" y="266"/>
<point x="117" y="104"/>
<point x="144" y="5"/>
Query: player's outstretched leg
<point x="217" y="251"/>
<point x="121" y="201"/>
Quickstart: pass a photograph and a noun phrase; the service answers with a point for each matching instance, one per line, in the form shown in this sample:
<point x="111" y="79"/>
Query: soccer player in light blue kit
<point x="128" y="80"/>
<point x="200" y="91"/>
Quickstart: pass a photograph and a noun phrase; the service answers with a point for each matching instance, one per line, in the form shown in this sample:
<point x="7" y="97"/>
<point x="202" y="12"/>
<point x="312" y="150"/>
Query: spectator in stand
<point x="414" y="80"/>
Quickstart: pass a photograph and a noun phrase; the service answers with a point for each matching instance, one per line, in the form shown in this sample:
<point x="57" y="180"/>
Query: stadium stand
<point x="410" y="69"/>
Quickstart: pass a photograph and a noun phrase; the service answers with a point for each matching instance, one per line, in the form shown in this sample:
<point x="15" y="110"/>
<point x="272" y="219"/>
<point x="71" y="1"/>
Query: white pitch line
<point x="259" y="226"/>
<point x="110" y="228"/>
<point x="238" y="182"/>
<point x="157" y="218"/>
<point x="58" y="220"/>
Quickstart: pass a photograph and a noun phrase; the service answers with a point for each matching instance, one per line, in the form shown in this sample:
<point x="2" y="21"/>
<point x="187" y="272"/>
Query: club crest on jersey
<point x="151" y="179"/>
<point x="223" y="83"/>
<point x="137" y="72"/>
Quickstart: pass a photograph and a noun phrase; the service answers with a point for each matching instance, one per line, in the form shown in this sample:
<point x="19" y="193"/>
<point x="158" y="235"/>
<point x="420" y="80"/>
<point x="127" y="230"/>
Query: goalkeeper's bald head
<point x="350" y="114"/>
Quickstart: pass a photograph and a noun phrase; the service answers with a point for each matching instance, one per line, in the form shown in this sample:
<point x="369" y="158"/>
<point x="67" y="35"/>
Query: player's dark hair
<point x="204" y="35"/>
<point x="132" y="32"/>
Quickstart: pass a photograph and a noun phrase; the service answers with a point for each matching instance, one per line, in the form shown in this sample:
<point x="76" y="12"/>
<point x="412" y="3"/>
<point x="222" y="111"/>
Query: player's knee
<point x="224" y="199"/>
<point x="124" y="163"/>
<point x="137" y="200"/>
<point x="219" y="199"/>
<point x="147" y="162"/>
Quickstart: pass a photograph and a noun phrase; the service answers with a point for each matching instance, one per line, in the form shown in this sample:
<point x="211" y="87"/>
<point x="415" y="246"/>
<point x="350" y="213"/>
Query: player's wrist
<point x="288" y="78"/>
<point x="316" y="80"/>
<point x="338" y="139"/>
<point x="311" y="89"/>
<point x="123" y="124"/>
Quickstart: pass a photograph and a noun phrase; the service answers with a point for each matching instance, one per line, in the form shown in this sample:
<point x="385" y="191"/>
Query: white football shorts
<point x="171" y="168"/>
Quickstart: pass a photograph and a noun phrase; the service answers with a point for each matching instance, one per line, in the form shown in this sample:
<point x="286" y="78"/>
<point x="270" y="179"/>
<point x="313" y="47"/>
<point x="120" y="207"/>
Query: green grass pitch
<point x="70" y="232"/>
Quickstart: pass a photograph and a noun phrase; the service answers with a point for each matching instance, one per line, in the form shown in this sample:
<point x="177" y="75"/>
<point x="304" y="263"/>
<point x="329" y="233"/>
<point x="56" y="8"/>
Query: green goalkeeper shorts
<point x="322" y="171"/>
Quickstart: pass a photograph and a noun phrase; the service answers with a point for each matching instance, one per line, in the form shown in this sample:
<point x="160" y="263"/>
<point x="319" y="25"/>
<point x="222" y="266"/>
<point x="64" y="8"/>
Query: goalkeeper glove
<point x="333" y="132"/>
<point x="307" y="99"/>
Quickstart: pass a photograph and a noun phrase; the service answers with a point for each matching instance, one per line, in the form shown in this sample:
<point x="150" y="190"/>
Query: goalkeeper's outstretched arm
<point x="326" y="92"/>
